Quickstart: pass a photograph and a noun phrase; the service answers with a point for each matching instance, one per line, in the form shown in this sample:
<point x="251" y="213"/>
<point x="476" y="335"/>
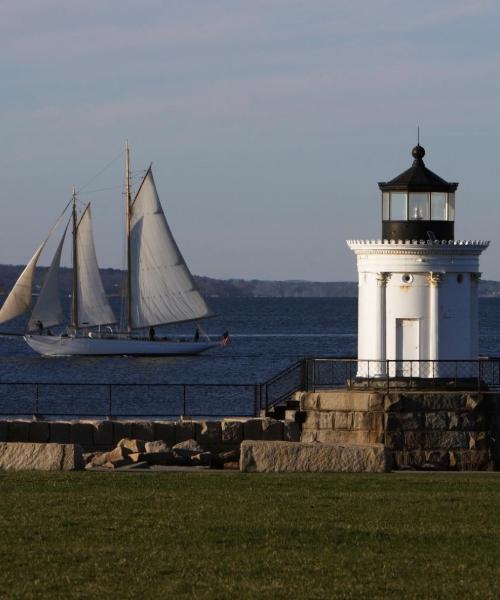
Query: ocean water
<point x="268" y="334"/>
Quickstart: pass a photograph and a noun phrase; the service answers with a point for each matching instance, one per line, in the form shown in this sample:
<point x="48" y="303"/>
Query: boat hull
<point x="82" y="346"/>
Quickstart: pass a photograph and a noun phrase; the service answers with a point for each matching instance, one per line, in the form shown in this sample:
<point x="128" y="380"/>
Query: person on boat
<point x="197" y="335"/>
<point x="39" y="326"/>
<point x="152" y="336"/>
<point x="225" y="339"/>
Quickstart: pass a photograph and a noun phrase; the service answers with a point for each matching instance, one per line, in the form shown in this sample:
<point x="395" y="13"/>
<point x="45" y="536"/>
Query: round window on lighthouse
<point x="407" y="278"/>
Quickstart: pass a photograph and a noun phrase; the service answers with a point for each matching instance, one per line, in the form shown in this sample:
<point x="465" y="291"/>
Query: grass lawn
<point x="230" y="535"/>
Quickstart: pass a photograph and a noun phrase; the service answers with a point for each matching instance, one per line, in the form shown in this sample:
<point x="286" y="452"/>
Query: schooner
<point x="160" y="289"/>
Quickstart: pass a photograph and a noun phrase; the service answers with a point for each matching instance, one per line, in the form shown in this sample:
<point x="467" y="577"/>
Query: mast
<point x="75" y="264"/>
<point x="128" y="214"/>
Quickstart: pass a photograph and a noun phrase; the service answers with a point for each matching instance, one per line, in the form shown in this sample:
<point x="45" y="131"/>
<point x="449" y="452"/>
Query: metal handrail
<point x="111" y="402"/>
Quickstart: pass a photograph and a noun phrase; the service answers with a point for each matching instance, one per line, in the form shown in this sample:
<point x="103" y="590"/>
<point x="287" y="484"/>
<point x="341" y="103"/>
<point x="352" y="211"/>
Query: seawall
<point x="216" y="436"/>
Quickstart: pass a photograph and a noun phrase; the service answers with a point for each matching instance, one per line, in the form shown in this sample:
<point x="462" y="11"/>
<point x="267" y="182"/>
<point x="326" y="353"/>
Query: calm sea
<point x="267" y="335"/>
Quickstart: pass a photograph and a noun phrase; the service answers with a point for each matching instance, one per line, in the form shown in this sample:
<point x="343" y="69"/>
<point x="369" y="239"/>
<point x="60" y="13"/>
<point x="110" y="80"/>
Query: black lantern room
<point x="418" y="204"/>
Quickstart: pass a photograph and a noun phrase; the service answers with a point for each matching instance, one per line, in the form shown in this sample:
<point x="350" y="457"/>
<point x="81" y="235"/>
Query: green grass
<point x="225" y="535"/>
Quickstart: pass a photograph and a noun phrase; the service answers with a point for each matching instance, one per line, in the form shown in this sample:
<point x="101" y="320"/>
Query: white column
<point x="379" y="329"/>
<point x="434" y="281"/>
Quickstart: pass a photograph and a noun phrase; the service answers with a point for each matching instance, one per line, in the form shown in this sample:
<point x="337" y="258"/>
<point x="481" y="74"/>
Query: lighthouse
<point x="418" y="285"/>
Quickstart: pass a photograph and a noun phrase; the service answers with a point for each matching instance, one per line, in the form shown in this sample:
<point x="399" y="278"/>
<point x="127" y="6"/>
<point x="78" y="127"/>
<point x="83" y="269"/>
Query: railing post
<point x="183" y="399"/>
<point x="305" y="376"/>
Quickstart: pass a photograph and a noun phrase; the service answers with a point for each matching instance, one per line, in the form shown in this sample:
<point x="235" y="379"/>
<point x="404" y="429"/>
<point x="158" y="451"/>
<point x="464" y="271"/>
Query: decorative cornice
<point x="418" y="246"/>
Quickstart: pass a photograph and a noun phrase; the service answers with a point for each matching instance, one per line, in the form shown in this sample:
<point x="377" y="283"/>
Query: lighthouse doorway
<point x="407" y="347"/>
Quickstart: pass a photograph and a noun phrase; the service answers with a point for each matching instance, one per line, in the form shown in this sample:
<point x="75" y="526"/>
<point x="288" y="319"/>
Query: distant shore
<point x="226" y="288"/>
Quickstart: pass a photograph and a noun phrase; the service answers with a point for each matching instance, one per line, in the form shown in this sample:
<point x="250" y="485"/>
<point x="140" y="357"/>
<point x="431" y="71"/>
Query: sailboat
<point x="160" y="289"/>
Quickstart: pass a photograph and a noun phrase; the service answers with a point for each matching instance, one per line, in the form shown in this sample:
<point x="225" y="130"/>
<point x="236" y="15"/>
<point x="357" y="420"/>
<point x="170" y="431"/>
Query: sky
<point x="268" y="122"/>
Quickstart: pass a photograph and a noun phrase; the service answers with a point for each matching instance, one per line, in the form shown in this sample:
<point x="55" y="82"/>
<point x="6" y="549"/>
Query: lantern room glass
<point x="418" y="206"/>
<point x="438" y="206"/>
<point x="451" y="207"/>
<point x="398" y="206"/>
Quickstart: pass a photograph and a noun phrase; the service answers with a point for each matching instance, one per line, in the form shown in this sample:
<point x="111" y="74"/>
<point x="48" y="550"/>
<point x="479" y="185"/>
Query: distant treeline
<point x="224" y="288"/>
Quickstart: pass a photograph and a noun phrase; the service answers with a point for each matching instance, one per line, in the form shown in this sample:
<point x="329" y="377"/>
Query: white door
<point x="407" y="347"/>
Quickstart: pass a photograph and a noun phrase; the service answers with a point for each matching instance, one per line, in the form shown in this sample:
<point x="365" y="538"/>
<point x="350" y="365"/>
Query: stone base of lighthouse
<point x="455" y="430"/>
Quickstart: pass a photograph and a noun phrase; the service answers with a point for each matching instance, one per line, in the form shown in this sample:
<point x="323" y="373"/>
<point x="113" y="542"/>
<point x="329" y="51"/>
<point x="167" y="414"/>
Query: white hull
<point x="86" y="346"/>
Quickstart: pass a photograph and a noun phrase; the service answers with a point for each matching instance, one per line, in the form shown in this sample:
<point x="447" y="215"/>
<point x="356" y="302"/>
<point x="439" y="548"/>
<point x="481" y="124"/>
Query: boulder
<point x="103" y="433"/>
<point x="264" y="456"/>
<point x="203" y="459"/>
<point x="131" y="445"/>
<point x="121" y="429"/>
<point x="40" y="457"/>
<point x="291" y="431"/>
<point x="156" y="458"/>
<point x="232" y="432"/>
<point x="219" y="460"/>
<point x="165" y="430"/>
<point x="82" y="433"/>
<point x="272" y="429"/>
<point x="119" y="454"/>
<point x="143" y="430"/>
<point x="156" y="446"/>
<point x="188" y="447"/>
<point x="185" y="430"/>
<point x="18" y="431"/>
<point x="252" y="429"/>
<point x="59" y="432"/>
<point x="209" y="432"/>
<point x="39" y="432"/>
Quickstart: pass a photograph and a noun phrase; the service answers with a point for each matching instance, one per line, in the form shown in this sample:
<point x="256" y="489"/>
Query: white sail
<point x="162" y="288"/>
<point x="93" y="305"/>
<point x="48" y="308"/>
<point x="19" y="299"/>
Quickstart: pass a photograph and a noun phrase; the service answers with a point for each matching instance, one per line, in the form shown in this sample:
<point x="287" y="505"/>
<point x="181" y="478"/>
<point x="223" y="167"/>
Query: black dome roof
<point x="418" y="177"/>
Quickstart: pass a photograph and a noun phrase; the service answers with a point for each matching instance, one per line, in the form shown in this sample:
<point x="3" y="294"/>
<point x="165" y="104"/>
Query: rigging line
<point x="59" y="219"/>
<point x="115" y="187"/>
<point x="100" y="172"/>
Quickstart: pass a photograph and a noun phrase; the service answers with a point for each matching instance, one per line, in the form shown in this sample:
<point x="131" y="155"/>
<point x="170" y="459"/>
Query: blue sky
<point x="269" y="123"/>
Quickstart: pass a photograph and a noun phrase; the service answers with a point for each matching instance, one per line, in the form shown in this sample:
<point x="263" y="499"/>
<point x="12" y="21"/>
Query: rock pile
<point x="139" y="454"/>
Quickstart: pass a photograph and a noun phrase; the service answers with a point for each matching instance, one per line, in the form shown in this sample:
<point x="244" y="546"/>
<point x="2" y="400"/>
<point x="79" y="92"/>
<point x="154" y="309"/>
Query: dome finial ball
<point x="418" y="152"/>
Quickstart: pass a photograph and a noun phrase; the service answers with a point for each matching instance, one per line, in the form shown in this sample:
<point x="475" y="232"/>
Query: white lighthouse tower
<point x="418" y="286"/>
